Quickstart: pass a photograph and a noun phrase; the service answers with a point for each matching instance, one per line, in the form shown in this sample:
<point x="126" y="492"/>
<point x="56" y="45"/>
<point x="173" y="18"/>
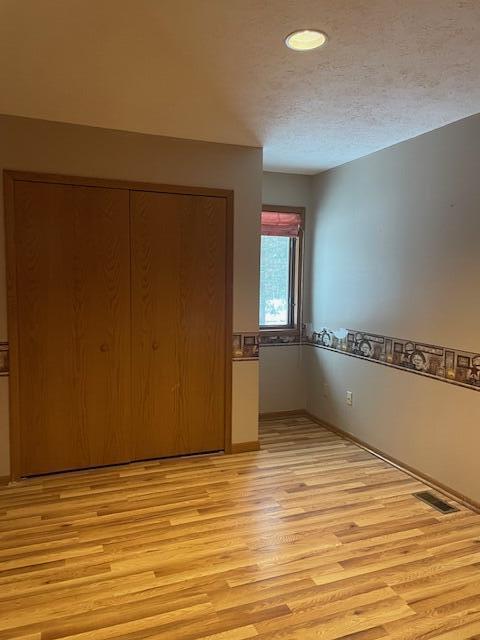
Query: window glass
<point x="275" y="281"/>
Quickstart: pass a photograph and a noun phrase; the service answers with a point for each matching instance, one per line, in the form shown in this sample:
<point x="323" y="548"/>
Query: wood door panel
<point x="73" y="290"/>
<point x="178" y="323"/>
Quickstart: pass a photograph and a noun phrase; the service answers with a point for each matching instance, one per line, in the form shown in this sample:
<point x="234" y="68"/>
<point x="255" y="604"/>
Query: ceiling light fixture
<point x="305" y="39"/>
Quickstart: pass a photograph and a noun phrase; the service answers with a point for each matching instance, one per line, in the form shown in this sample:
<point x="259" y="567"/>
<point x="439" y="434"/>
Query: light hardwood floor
<point x="311" y="537"/>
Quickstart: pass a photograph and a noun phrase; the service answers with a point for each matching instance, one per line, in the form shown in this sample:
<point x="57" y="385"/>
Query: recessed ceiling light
<point x="305" y="39"/>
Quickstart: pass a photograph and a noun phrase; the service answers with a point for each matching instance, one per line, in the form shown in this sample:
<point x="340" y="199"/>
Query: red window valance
<point x="281" y="224"/>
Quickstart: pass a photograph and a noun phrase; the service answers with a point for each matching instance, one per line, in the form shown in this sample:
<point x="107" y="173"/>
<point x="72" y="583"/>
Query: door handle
<point x="155" y="346"/>
<point x="104" y="347"/>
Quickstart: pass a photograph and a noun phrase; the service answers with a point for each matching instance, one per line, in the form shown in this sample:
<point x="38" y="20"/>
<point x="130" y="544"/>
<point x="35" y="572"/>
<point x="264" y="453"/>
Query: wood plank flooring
<point x="309" y="538"/>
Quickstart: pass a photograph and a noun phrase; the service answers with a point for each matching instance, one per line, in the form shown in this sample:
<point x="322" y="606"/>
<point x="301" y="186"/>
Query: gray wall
<point x="393" y="248"/>
<point x="35" y="145"/>
<point x="282" y="380"/>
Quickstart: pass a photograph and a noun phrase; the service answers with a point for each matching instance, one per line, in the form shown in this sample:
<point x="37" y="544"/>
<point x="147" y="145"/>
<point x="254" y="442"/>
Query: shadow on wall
<point x="315" y="258"/>
<point x="327" y="391"/>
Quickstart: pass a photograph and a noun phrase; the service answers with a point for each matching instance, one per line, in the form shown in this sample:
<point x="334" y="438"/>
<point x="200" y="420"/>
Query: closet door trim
<point x="106" y="183"/>
<point x="9" y="179"/>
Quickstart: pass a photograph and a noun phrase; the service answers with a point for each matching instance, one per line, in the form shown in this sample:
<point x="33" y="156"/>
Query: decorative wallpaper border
<point x="245" y="346"/>
<point x="441" y="363"/>
<point x="4" y="359"/>
<point x="280" y="339"/>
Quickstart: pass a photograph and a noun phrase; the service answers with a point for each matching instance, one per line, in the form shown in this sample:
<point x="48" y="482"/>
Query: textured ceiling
<point x="218" y="70"/>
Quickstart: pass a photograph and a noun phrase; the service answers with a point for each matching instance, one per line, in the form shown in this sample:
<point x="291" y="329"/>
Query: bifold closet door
<point x="178" y="323"/>
<point x="72" y="252"/>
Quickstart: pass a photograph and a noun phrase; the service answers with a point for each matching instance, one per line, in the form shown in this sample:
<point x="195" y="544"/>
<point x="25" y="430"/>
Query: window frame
<point x="295" y="303"/>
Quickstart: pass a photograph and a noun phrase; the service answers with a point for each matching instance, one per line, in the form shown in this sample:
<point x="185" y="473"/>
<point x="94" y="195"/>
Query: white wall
<point x="282" y="381"/>
<point x="35" y="145"/>
<point x="393" y="249"/>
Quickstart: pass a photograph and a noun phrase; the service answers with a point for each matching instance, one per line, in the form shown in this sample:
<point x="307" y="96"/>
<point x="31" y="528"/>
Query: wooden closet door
<point x="73" y="305"/>
<point x="178" y="323"/>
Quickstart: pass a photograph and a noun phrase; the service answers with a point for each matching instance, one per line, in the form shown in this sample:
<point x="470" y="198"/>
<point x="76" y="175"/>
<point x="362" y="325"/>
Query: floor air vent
<point x="435" y="502"/>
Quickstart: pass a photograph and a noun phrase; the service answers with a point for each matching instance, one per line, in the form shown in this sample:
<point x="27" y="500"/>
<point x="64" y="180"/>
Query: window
<point x="280" y="272"/>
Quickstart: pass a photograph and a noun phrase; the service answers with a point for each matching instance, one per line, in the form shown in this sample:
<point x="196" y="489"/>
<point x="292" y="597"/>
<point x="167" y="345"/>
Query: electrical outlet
<point x="325" y="390"/>
<point x="349" y="398"/>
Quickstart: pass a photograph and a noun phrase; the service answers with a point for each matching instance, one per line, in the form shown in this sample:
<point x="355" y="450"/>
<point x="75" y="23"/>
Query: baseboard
<point x="4" y="480"/>
<point x="276" y="415"/>
<point x="244" y="447"/>
<point x="411" y="471"/>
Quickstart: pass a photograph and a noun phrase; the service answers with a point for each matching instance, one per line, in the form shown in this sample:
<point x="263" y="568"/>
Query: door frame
<point x="9" y="179"/>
